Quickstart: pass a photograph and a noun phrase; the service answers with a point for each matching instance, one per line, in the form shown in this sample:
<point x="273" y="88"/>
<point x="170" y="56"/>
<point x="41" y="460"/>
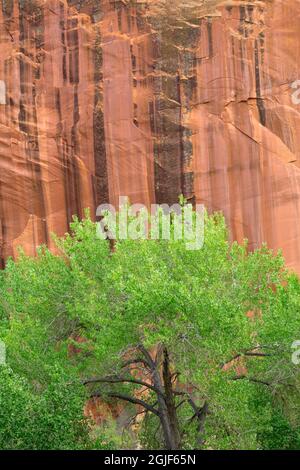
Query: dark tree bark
<point x="170" y="400"/>
<point x="163" y="385"/>
<point x="170" y="440"/>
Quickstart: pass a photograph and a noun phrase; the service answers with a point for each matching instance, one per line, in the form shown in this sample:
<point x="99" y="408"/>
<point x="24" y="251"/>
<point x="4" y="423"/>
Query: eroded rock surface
<point x="150" y="99"/>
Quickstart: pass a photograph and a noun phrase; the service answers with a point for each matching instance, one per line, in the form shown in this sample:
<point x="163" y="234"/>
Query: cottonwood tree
<point x="200" y="341"/>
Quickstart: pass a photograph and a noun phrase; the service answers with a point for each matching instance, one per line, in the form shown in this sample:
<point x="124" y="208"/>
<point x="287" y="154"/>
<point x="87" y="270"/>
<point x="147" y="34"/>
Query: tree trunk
<point x="163" y="412"/>
<point x="170" y="400"/>
<point x="170" y="438"/>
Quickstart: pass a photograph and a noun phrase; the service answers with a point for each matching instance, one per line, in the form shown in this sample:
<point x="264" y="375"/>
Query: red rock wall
<point x="150" y="99"/>
<point x="47" y="163"/>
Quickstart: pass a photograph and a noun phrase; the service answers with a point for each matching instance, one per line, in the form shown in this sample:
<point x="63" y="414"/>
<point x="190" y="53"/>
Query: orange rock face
<point x="150" y="99"/>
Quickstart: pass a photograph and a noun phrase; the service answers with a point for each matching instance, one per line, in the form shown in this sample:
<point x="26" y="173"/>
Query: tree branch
<point x="138" y="360"/>
<point x="200" y="414"/>
<point x="129" y="399"/>
<point x="257" y="354"/>
<point x="251" y="379"/>
<point x="117" y="380"/>
<point x="252" y="352"/>
<point x="180" y="403"/>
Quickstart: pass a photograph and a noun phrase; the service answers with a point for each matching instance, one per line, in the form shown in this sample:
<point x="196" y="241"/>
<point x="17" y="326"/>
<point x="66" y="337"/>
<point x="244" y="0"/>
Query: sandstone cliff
<point x="150" y="99"/>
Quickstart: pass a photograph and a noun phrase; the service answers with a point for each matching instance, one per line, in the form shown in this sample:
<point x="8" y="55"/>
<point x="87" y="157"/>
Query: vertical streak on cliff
<point x="258" y="60"/>
<point x="101" y="189"/>
<point x="127" y="91"/>
<point x="73" y="48"/>
<point x="175" y="39"/>
<point x="187" y="43"/>
<point x="167" y="110"/>
<point x="31" y="28"/>
<point x="61" y="142"/>
<point x="260" y="101"/>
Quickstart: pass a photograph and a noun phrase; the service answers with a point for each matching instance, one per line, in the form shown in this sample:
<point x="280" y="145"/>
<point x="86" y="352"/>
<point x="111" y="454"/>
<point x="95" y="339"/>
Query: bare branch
<point x="257" y="354"/>
<point x="251" y="379"/>
<point x="129" y="399"/>
<point x="201" y="414"/>
<point x="252" y="352"/>
<point x="180" y="403"/>
<point x="115" y="380"/>
<point x="138" y="360"/>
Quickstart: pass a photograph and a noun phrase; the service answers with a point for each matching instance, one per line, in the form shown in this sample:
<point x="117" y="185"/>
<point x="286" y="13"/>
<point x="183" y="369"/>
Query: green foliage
<point x="281" y="434"/>
<point x="50" y="418"/>
<point x="150" y="292"/>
